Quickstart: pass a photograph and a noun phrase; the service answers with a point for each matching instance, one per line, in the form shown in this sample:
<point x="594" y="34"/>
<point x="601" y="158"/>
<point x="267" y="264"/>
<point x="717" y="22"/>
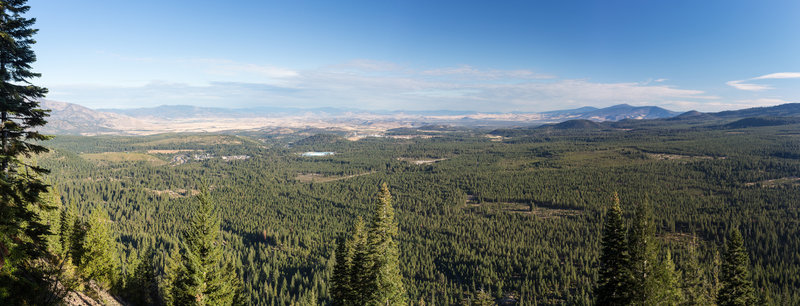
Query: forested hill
<point x="512" y="218"/>
<point x="785" y="114"/>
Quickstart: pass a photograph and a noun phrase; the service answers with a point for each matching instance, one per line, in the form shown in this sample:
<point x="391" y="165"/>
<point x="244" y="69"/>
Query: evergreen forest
<point x="516" y="217"/>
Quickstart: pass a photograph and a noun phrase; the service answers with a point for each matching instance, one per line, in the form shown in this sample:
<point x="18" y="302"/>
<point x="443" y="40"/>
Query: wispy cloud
<point x="779" y="75"/>
<point x="725" y="104"/>
<point x="745" y="85"/>
<point x="466" y="71"/>
<point x="741" y="85"/>
<point x="229" y="68"/>
<point x="369" y="84"/>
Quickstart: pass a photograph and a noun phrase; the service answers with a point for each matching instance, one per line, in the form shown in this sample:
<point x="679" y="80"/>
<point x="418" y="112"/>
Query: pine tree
<point x="668" y="291"/>
<point x="21" y="233"/>
<point x="713" y="292"/>
<point x="76" y="239"/>
<point x="172" y="269"/>
<point x="387" y="282"/>
<point x="142" y="287"/>
<point x="737" y="287"/>
<point x="205" y="277"/>
<point x="643" y="257"/>
<point x="341" y="290"/>
<point x="65" y="230"/>
<point x="98" y="262"/>
<point x="360" y="277"/>
<point x="52" y="218"/>
<point x="692" y="282"/>
<point x="483" y="298"/>
<point x="613" y="278"/>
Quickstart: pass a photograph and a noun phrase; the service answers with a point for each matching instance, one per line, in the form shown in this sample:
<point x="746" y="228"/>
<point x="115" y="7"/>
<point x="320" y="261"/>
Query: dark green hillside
<point x="578" y="124"/>
<point x="761" y="121"/>
<point x="783" y="110"/>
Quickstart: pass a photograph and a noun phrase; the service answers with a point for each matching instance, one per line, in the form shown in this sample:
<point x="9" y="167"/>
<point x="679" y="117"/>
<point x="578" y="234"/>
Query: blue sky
<point x="420" y="55"/>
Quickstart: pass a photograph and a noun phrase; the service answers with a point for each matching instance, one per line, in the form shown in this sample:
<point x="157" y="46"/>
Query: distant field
<point x="319" y="178"/>
<point x="168" y="151"/>
<point x="194" y="139"/>
<point x="119" y="157"/>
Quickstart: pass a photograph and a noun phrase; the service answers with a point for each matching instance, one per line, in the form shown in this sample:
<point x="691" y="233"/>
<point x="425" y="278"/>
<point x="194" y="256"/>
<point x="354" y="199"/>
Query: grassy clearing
<point x="420" y="161"/>
<point x="319" y="178"/>
<point x="168" y="151"/>
<point x="205" y="140"/>
<point x="664" y="156"/>
<point x="120" y="157"/>
<point x="177" y="193"/>
<point x="520" y="208"/>
<point x="784" y="181"/>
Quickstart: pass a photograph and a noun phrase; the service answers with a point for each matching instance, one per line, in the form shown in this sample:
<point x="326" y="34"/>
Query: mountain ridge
<point x="74" y="119"/>
<point x="68" y="118"/>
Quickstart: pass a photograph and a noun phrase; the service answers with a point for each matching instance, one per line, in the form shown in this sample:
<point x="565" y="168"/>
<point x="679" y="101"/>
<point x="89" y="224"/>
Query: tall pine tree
<point x="342" y="287"/>
<point x="643" y="257"/>
<point x="737" y="287"/>
<point x="614" y="278"/>
<point x="387" y="282"/>
<point x="172" y="269"/>
<point x="693" y="280"/>
<point x="98" y="262"/>
<point x="360" y="276"/>
<point x="205" y="278"/>
<point x="367" y="270"/>
<point x="668" y="291"/>
<point x="22" y="234"/>
<point x="340" y="279"/>
<point x="142" y="287"/>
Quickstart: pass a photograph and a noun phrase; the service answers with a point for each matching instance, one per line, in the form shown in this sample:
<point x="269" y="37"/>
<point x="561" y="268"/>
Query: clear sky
<point x="420" y="55"/>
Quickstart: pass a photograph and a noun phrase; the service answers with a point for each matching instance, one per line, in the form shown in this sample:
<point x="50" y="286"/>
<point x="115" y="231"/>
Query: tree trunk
<point x="4" y="118"/>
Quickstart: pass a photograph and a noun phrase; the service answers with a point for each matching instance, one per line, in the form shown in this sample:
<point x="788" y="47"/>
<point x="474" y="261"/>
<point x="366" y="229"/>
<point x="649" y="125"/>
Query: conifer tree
<point x="360" y="277"/>
<point x="21" y="232"/>
<point x="142" y="287"/>
<point x="714" y="281"/>
<point x="52" y="218"/>
<point x="341" y="289"/>
<point x="98" y="262"/>
<point x="387" y="282"/>
<point x="76" y="241"/>
<point x="692" y="282"/>
<point x="205" y="277"/>
<point x="737" y="287"/>
<point x="483" y="298"/>
<point x="65" y="230"/>
<point x="643" y="257"/>
<point x="667" y="278"/>
<point x="172" y="269"/>
<point x="614" y="277"/>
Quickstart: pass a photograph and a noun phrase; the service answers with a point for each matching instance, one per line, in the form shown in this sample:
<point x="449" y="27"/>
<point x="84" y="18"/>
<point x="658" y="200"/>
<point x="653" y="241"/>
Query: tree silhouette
<point x="614" y="278"/>
<point x="737" y="287"/>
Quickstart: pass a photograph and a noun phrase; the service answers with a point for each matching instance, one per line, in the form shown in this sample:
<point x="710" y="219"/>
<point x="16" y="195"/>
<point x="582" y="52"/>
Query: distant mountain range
<point x="188" y="111"/>
<point x="73" y="119"/>
<point x="612" y="113"/>
<point x="69" y="118"/>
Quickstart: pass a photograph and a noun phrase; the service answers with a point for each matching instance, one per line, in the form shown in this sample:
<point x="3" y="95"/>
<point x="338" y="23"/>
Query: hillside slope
<point x="73" y="119"/>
